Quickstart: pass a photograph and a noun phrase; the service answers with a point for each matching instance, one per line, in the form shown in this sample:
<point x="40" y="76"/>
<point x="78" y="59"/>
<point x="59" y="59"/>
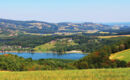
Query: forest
<point x="85" y="43"/>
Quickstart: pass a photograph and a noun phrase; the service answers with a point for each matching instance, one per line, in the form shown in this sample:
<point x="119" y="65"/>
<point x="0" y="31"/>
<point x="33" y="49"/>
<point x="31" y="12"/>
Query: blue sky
<point x="66" y="10"/>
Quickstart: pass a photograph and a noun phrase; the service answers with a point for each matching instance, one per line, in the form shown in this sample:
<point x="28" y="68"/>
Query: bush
<point x="14" y="63"/>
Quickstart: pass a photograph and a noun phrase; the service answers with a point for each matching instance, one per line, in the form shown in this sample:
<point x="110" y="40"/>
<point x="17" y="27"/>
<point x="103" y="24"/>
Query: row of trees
<point x="14" y="63"/>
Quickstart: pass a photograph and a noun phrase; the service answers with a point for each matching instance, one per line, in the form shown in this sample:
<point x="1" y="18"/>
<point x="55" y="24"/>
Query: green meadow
<point x="45" y="47"/>
<point x="90" y="74"/>
<point x="122" y="55"/>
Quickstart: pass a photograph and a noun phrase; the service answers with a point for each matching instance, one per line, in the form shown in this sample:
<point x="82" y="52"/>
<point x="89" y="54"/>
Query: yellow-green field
<point x="93" y="74"/>
<point x="45" y="47"/>
<point x="114" y="36"/>
<point x="122" y="55"/>
<point x="38" y="34"/>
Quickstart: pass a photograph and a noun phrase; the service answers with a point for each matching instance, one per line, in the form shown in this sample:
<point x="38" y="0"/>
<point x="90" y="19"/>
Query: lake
<point x="36" y="56"/>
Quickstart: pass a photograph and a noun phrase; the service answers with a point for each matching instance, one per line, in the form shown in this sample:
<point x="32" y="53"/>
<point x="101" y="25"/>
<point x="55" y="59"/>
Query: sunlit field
<point x="114" y="36"/>
<point x="93" y="74"/>
<point x="122" y="55"/>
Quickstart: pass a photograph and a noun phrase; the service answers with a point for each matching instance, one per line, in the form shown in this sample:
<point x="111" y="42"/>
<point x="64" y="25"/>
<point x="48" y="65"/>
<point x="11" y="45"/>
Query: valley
<point x="65" y="49"/>
<point x="65" y="40"/>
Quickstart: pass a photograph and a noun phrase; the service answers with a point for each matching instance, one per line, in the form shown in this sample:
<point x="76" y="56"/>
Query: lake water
<point x="36" y="56"/>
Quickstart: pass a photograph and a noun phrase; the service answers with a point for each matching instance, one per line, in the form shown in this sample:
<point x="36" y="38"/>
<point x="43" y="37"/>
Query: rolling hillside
<point x="13" y="26"/>
<point x="93" y="74"/>
<point x="123" y="55"/>
<point x="55" y="44"/>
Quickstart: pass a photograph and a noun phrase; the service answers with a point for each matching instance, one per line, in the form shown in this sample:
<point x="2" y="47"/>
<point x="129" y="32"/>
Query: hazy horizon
<point x="98" y="11"/>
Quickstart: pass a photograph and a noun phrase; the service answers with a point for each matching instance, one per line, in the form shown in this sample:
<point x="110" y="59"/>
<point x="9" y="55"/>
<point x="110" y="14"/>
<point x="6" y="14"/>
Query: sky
<point x="66" y="10"/>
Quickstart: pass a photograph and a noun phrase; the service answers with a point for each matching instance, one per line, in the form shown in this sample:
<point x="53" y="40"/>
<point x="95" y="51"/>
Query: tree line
<point x="100" y="58"/>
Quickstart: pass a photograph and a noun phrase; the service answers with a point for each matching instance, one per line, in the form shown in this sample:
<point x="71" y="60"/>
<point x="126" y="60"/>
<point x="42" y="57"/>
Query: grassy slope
<point x="44" y="47"/>
<point x="122" y="55"/>
<point x="99" y="74"/>
<point x="48" y="46"/>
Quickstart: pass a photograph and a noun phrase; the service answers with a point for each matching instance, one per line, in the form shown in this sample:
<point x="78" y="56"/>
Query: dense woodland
<point x="86" y="43"/>
<point x="14" y="63"/>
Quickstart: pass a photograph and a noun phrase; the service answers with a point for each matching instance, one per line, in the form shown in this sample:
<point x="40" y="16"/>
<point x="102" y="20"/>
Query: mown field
<point x="122" y="55"/>
<point x="93" y="74"/>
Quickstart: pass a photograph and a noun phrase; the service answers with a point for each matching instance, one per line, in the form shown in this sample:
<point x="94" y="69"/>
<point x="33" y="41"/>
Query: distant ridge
<point x="12" y="27"/>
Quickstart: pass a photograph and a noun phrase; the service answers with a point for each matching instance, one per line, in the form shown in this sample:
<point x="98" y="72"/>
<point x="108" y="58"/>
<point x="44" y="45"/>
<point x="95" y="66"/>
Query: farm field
<point x="114" y="36"/>
<point x="122" y="55"/>
<point x="90" y="74"/>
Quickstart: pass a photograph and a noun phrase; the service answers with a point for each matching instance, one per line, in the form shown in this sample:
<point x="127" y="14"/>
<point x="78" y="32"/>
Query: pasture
<point x="122" y="55"/>
<point x="90" y="74"/>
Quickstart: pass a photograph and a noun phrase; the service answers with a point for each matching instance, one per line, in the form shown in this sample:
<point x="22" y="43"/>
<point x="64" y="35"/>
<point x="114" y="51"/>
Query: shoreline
<point x="67" y="52"/>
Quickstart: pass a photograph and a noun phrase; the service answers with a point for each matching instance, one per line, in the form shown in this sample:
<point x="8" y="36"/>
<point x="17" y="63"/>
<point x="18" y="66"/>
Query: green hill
<point x="55" y="45"/>
<point x="41" y="27"/>
<point x="45" y="47"/>
<point x="122" y="55"/>
<point x="91" y="74"/>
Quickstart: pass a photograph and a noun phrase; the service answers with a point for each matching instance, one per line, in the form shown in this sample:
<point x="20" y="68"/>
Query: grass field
<point x="114" y="36"/>
<point x="45" y="47"/>
<point x="93" y="74"/>
<point x="122" y="55"/>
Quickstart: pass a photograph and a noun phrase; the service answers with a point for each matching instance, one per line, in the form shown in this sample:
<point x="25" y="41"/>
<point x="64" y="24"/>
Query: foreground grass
<point x="93" y="74"/>
<point x="122" y="55"/>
